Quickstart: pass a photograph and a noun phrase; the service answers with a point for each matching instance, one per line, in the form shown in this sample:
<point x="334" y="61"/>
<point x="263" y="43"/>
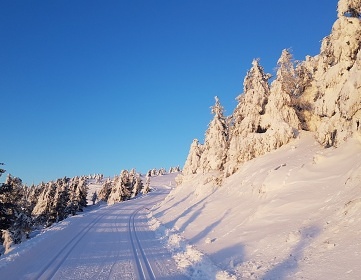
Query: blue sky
<point x="100" y="86"/>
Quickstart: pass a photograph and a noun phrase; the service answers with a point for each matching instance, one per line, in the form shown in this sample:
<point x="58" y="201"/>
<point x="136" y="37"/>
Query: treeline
<point x="24" y="208"/>
<point x="162" y="171"/>
<point x="123" y="187"/>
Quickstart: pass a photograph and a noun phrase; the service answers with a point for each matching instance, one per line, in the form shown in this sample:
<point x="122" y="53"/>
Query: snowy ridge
<point x="321" y="94"/>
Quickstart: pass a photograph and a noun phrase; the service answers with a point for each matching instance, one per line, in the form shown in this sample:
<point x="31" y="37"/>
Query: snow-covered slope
<point x="292" y="213"/>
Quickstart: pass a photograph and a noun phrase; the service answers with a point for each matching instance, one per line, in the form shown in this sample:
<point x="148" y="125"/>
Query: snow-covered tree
<point x="247" y="117"/>
<point x="119" y="191"/>
<point x="174" y="169"/>
<point x="251" y="104"/>
<point x="280" y="108"/>
<point x="146" y="187"/>
<point x="137" y="185"/>
<point x="122" y="188"/>
<point x="14" y="215"/>
<point x="193" y="160"/>
<point x="351" y="8"/>
<point x="336" y="89"/>
<point x="216" y="140"/>
<point x="105" y="190"/>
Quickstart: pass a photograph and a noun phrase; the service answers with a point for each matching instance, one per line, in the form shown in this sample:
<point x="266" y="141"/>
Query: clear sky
<point x="100" y="86"/>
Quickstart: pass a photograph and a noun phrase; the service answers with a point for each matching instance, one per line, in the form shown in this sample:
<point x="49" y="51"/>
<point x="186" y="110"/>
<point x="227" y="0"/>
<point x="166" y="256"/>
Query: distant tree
<point x="137" y="186"/>
<point x="121" y="188"/>
<point x="2" y="170"/>
<point x="105" y="191"/>
<point x="146" y="187"/>
<point x="94" y="197"/>
<point x="44" y="212"/>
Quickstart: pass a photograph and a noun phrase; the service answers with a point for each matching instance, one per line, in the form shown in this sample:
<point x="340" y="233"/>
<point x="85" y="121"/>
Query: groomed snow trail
<point x="113" y="242"/>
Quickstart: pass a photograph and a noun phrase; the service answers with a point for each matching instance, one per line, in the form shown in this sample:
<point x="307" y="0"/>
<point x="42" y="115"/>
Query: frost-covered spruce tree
<point x="280" y="113"/>
<point x="105" y="190"/>
<point x="350" y="8"/>
<point x="246" y="118"/>
<point x="14" y="215"/>
<point x="121" y="189"/>
<point x="336" y="91"/>
<point x="146" y="187"/>
<point x="251" y="104"/>
<point x="59" y="210"/>
<point x="44" y="208"/>
<point x="216" y="141"/>
<point x="193" y="160"/>
<point x="137" y="185"/>
<point x="77" y="195"/>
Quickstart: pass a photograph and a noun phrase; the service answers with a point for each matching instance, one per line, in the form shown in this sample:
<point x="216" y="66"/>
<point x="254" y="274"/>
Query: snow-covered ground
<point x="291" y="214"/>
<point x="105" y="242"/>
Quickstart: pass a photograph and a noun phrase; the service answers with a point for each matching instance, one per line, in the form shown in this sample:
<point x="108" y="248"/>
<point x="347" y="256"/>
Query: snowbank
<point x="291" y="213"/>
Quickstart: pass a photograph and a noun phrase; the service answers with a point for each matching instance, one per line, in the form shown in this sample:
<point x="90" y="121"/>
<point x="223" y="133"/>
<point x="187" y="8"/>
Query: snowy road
<point x="113" y="242"/>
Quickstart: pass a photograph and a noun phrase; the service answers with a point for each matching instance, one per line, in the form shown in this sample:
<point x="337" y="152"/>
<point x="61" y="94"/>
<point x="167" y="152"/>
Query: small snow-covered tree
<point x="137" y="185"/>
<point x="105" y="190"/>
<point x="193" y="160"/>
<point x="146" y="187"/>
<point x="7" y="240"/>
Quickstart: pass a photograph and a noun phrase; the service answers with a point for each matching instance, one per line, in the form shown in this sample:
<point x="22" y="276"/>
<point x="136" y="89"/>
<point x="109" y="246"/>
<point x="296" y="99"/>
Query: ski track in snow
<point x="112" y="242"/>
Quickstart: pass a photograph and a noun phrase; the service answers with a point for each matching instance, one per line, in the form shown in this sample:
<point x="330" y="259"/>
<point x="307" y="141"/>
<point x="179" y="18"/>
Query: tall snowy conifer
<point x="279" y="108"/>
<point x="247" y="117"/>
<point x="337" y="86"/>
<point x="216" y="141"/>
<point x="251" y="104"/>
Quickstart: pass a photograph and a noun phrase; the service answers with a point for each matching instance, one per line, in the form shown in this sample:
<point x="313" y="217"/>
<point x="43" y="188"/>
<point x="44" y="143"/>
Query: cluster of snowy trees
<point x="24" y="208"/>
<point x="123" y="187"/>
<point x="321" y="94"/>
<point x="97" y="177"/>
<point x="162" y="171"/>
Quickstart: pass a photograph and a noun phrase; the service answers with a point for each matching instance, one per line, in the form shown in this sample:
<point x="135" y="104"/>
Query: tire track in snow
<point x="55" y="263"/>
<point x="144" y="268"/>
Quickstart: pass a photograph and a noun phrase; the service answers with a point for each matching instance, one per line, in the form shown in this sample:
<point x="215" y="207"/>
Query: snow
<point x="290" y="214"/>
<point x="105" y="242"/>
<point x="260" y="199"/>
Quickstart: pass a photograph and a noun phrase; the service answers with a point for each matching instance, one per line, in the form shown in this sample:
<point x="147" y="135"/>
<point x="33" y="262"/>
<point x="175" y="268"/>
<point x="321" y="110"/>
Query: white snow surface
<point x="293" y="213"/>
<point x="105" y="242"/>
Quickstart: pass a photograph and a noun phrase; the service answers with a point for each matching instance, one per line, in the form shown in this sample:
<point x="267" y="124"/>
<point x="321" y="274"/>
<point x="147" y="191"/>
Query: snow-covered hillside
<point x="293" y="213"/>
<point x="274" y="191"/>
